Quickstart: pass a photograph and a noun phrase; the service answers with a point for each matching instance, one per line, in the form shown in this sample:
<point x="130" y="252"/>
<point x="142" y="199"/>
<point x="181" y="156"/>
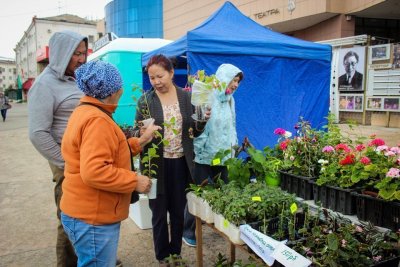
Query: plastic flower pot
<point x="272" y="180"/>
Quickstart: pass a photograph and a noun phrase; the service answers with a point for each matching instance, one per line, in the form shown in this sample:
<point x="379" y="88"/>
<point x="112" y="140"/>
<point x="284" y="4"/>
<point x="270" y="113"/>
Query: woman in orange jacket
<point x="98" y="172"/>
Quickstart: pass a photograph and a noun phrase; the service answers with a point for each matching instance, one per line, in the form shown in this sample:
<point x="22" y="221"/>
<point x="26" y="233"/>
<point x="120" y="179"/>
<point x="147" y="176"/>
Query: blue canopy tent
<point x="284" y="78"/>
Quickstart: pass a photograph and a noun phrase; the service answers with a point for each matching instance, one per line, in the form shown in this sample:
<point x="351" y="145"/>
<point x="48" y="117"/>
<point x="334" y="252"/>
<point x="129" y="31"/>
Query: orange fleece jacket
<point x="98" y="178"/>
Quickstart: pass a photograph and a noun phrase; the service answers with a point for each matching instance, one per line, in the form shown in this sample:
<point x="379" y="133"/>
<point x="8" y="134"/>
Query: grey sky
<point x="16" y="16"/>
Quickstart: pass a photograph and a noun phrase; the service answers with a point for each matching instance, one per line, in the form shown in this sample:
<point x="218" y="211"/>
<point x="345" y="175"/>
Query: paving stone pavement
<point x="27" y="210"/>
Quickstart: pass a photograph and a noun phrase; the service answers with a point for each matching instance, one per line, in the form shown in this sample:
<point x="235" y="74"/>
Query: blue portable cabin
<point x="126" y="55"/>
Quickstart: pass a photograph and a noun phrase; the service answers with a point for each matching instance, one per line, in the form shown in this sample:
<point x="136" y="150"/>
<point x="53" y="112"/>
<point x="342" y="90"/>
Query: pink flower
<point x="390" y="154"/>
<point x="279" y="131"/>
<point x="328" y="149"/>
<point x="292" y="158"/>
<point x="377" y="258"/>
<point x="343" y="242"/>
<point x="382" y="148"/>
<point x="376" y="142"/>
<point x="365" y="160"/>
<point x="359" y="229"/>
<point x="360" y="147"/>
<point x="396" y="150"/>
<point x="393" y="172"/>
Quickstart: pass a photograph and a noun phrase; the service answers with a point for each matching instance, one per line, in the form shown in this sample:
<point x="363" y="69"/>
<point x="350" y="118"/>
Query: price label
<point x="216" y="161"/>
<point x="293" y="208"/>
<point x="256" y="199"/>
<point x="226" y="223"/>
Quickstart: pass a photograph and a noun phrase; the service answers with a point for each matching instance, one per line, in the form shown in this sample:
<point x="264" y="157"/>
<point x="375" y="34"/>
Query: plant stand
<point x="232" y="246"/>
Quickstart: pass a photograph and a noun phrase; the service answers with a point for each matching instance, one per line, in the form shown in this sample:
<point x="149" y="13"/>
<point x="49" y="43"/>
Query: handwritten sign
<point x="289" y="257"/>
<point x="261" y="244"/>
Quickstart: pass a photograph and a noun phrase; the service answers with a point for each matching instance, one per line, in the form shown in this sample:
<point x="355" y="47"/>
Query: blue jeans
<point x="95" y="245"/>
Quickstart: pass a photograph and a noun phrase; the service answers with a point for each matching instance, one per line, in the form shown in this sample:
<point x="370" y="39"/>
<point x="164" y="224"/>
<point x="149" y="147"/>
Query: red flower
<point x="376" y="142"/>
<point x="283" y="145"/>
<point x="349" y="159"/>
<point x="365" y="160"/>
<point x="360" y="147"/>
<point x="342" y="147"/>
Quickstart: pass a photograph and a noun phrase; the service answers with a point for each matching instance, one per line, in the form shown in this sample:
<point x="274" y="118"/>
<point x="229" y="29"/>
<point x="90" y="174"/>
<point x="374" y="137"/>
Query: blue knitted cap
<point x="98" y="79"/>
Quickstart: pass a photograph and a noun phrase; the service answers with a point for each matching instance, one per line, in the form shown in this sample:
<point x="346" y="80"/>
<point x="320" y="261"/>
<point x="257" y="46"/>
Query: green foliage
<point x="389" y="188"/>
<point x="338" y="242"/>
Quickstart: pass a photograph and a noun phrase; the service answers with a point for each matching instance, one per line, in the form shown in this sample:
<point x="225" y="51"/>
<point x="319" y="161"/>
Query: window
<point x="91" y="38"/>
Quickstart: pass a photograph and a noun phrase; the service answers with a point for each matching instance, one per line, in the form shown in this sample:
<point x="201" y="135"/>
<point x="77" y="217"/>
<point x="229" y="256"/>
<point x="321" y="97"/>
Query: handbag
<point x="135" y="195"/>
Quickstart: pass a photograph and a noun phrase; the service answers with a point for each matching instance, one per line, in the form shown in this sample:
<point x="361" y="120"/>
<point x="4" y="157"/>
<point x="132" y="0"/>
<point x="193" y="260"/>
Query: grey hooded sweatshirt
<point x="53" y="97"/>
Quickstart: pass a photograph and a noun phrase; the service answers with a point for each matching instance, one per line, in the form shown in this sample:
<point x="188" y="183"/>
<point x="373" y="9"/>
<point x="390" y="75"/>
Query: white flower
<point x="322" y="169"/>
<point x="287" y="134"/>
<point x="322" y="161"/>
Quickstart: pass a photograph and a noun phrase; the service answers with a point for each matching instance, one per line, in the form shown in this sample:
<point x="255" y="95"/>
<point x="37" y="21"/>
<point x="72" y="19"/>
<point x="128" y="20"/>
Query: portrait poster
<point x="391" y="104"/>
<point x="396" y="56"/>
<point x="374" y="103"/>
<point x="351" y="69"/>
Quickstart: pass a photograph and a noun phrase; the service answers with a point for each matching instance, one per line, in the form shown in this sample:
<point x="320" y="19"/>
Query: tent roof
<point x="228" y="31"/>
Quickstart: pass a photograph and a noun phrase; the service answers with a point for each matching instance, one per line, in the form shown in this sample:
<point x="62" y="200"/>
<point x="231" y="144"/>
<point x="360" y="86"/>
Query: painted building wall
<point x="37" y="36"/>
<point x="8" y="75"/>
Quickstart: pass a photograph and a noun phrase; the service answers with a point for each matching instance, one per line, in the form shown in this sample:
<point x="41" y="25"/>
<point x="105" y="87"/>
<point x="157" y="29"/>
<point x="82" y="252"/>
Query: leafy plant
<point x="151" y="152"/>
<point x="264" y="163"/>
<point x="389" y="187"/>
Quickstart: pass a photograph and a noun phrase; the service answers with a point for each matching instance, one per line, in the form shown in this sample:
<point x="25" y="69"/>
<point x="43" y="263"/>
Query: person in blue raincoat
<point x="219" y="134"/>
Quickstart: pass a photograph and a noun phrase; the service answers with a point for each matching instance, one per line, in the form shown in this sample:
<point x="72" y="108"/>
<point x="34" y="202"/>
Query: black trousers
<point x="173" y="201"/>
<point x="201" y="172"/>
<point x="4" y="114"/>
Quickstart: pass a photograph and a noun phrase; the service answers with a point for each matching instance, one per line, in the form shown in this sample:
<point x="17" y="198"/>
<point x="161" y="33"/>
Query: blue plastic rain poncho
<point x="220" y="130"/>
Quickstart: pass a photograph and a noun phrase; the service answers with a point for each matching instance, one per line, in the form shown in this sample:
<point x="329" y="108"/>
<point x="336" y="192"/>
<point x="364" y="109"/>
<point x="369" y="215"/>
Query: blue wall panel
<point x="135" y="18"/>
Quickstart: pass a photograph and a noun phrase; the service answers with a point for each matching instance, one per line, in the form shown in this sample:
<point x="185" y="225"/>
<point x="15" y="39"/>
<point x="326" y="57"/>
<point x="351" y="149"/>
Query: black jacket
<point x="355" y="85"/>
<point x="156" y="112"/>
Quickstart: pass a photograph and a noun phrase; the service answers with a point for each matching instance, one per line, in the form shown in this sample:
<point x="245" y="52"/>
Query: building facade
<point x="32" y="51"/>
<point x="312" y="20"/>
<point x="8" y="74"/>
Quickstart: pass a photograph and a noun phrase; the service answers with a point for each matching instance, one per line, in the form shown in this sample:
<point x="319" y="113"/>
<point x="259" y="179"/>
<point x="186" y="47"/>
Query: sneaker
<point x="118" y="263"/>
<point x="189" y="242"/>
